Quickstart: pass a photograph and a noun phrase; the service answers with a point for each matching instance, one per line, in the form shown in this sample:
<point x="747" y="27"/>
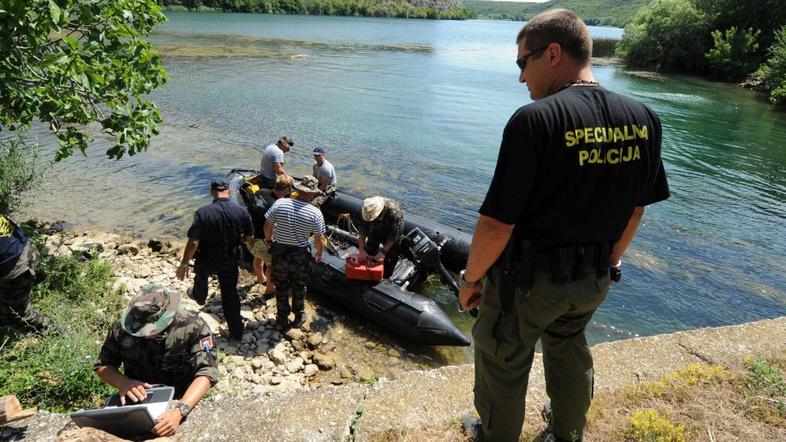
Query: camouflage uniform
<point x="290" y="270"/>
<point x="17" y="280"/>
<point x="320" y="199"/>
<point x="175" y="357"/>
<point x="388" y="225"/>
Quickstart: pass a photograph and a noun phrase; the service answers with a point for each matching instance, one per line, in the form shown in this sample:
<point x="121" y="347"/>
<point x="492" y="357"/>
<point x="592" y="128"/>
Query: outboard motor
<point x="426" y="253"/>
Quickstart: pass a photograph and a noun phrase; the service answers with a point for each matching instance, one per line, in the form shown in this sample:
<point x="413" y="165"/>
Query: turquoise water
<point x="414" y="110"/>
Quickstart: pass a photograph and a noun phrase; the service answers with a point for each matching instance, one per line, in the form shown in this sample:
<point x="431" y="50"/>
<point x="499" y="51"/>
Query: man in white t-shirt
<point x="325" y="174"/>
<point x="272" y="163"/>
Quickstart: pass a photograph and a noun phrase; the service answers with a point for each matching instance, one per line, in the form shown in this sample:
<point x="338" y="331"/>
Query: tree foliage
<point x="734" y="53"/>
<point x="433" y="9"/>
<point x="593" y="12"/>
<point x="774" y="70"/>
<point x="70" y="63"/>
<point x="667" y="33"/>
<point x="725" y="38"/>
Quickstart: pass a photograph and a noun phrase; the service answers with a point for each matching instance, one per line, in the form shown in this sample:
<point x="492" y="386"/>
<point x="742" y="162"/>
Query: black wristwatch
<point x="184" y="409"/>
<point x="615" y="273"/>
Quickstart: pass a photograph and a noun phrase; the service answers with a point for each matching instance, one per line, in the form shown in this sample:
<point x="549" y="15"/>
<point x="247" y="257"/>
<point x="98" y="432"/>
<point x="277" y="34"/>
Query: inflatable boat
<point x="428" y="248"/>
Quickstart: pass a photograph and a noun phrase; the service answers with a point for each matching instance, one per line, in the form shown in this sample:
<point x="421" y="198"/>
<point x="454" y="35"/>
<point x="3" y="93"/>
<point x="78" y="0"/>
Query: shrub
<point x="774" y="69"/>
<point x="55" y="371"/>
<point x="667" y="33"/>
<point x="650" y="426"/>
<point x="734" y="54"/>
<point x="19" y="172"/>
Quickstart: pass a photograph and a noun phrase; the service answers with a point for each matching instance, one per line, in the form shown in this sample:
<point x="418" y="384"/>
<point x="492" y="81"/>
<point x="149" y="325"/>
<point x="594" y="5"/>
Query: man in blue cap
<point x="156" y="342"/>
<point x="215" y="238"/>
<point x="325" y="174"/>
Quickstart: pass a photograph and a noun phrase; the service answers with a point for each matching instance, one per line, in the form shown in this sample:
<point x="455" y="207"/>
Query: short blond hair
<point x="283" y="182"/>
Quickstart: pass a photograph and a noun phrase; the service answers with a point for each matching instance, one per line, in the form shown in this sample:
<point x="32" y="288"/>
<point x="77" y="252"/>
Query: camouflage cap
<point x="151" y="312"/>
<point x="308" y="184"/>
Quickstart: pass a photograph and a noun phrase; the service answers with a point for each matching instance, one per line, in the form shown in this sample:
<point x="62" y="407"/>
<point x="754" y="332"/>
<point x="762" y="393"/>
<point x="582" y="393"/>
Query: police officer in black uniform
<point x="574" y="172"/>
<point x="215" y="238"/>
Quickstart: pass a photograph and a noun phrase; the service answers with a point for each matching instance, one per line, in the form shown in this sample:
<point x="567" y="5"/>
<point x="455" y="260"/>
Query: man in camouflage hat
<point x="290" y="223"/>
<point x="381" y="231"/>
<point x="20" y="270"/>
<point x="158" y="343"/>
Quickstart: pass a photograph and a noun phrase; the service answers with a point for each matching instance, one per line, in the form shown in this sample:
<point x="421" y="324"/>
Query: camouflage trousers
<point x="290" y="269"/>
<point x="15" y="290"/>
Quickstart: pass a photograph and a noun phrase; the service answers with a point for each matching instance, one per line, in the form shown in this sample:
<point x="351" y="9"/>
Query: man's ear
<point x="554" y="52"/>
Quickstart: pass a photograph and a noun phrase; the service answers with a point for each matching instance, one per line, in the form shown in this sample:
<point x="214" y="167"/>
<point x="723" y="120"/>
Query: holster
<point x="516" y="271"/>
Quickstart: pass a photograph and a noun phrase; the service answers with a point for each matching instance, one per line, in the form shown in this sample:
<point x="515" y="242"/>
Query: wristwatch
<point x="184" y="409"/>
<point x="469" y="283"/>
<point x="615" y="272"/>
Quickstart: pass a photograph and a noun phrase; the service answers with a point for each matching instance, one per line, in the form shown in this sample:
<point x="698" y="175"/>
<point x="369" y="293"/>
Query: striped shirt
<point x="294" y="221"/>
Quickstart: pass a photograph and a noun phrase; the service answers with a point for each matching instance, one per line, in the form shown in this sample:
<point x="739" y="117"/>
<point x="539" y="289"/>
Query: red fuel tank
<point x="363" y="271"/>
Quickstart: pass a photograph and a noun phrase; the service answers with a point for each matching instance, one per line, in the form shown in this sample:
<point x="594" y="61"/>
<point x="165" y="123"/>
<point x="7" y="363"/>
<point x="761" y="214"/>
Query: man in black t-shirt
<point x="574" y="172"/>
<point x="215" y="238"/>
<point x="20" y="270"/>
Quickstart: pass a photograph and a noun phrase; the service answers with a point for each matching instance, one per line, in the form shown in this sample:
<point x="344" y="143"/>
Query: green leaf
<point x="54" y="11"/>
<point x="73" y="42"/>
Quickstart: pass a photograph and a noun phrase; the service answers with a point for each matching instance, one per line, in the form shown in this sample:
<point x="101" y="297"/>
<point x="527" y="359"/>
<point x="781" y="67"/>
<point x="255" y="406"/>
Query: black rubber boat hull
<point x="406" y="313"/>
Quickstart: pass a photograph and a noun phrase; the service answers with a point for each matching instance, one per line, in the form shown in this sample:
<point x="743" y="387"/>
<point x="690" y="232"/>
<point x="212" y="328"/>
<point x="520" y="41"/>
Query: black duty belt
<point x="565" y="262"/>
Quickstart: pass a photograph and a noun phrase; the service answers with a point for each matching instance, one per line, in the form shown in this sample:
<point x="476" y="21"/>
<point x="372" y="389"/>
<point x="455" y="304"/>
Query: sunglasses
<point x="522" y="62"/>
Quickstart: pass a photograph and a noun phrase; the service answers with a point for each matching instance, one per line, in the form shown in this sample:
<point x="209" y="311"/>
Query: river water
<point x="414" y="110"/>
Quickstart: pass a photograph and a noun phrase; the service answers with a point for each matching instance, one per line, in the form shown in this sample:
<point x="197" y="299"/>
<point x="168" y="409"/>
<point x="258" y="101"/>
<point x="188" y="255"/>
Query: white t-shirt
<point x="271" y="155"/>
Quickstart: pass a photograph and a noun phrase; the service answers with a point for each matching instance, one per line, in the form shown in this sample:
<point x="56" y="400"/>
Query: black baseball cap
<point x="218" y="183"/>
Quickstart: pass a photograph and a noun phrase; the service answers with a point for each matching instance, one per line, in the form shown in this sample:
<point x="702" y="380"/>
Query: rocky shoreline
<point x="331" y="348"/>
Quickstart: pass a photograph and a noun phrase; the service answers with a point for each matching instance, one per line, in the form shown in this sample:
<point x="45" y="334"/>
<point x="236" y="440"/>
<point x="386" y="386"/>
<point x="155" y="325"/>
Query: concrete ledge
<point x="422" y="398"/>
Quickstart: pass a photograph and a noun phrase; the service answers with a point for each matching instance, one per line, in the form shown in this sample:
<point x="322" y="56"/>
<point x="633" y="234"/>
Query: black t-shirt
<point x="220" y="225"/>
<point x="12" y="244"/>
<point x="574" y="165"/>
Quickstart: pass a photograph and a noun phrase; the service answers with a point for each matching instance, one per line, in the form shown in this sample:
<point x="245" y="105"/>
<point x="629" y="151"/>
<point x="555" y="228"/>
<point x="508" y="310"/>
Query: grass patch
<point x="700" y="402"/>
<point x="55" y="370"/>
<point x="765" y="391"/>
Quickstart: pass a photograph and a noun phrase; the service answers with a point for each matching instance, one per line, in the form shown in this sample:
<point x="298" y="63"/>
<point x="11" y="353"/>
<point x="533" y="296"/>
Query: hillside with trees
<point x="731" y="40"/>
<point x="593" y="12"/>
<point x="430" y="9"/>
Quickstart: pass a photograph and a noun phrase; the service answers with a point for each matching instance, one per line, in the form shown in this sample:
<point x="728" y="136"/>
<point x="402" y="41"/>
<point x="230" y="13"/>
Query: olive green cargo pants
<point x="505" y="347"/>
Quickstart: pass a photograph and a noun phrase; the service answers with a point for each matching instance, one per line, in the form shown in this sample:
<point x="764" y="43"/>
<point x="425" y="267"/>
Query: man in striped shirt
<point x="290" y="222"/>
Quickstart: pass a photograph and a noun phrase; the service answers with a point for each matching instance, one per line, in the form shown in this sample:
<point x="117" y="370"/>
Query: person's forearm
<point x="279" y="169"/>
<point x="196" y="391"/>
<point x="488" y="242"/>
<point x="627" y="235"/>
<point x="318" y="242"/>
<point x="361" y="241"/>
<point x="388" y="245"/>
<point x="268" y="230"/>
<point x="188" y="253"/>
<point x="112" y="376"/>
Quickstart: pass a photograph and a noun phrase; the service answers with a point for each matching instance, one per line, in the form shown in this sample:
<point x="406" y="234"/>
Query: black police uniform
<point x="572" y="167"/>
<point x="219" y="227"/>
